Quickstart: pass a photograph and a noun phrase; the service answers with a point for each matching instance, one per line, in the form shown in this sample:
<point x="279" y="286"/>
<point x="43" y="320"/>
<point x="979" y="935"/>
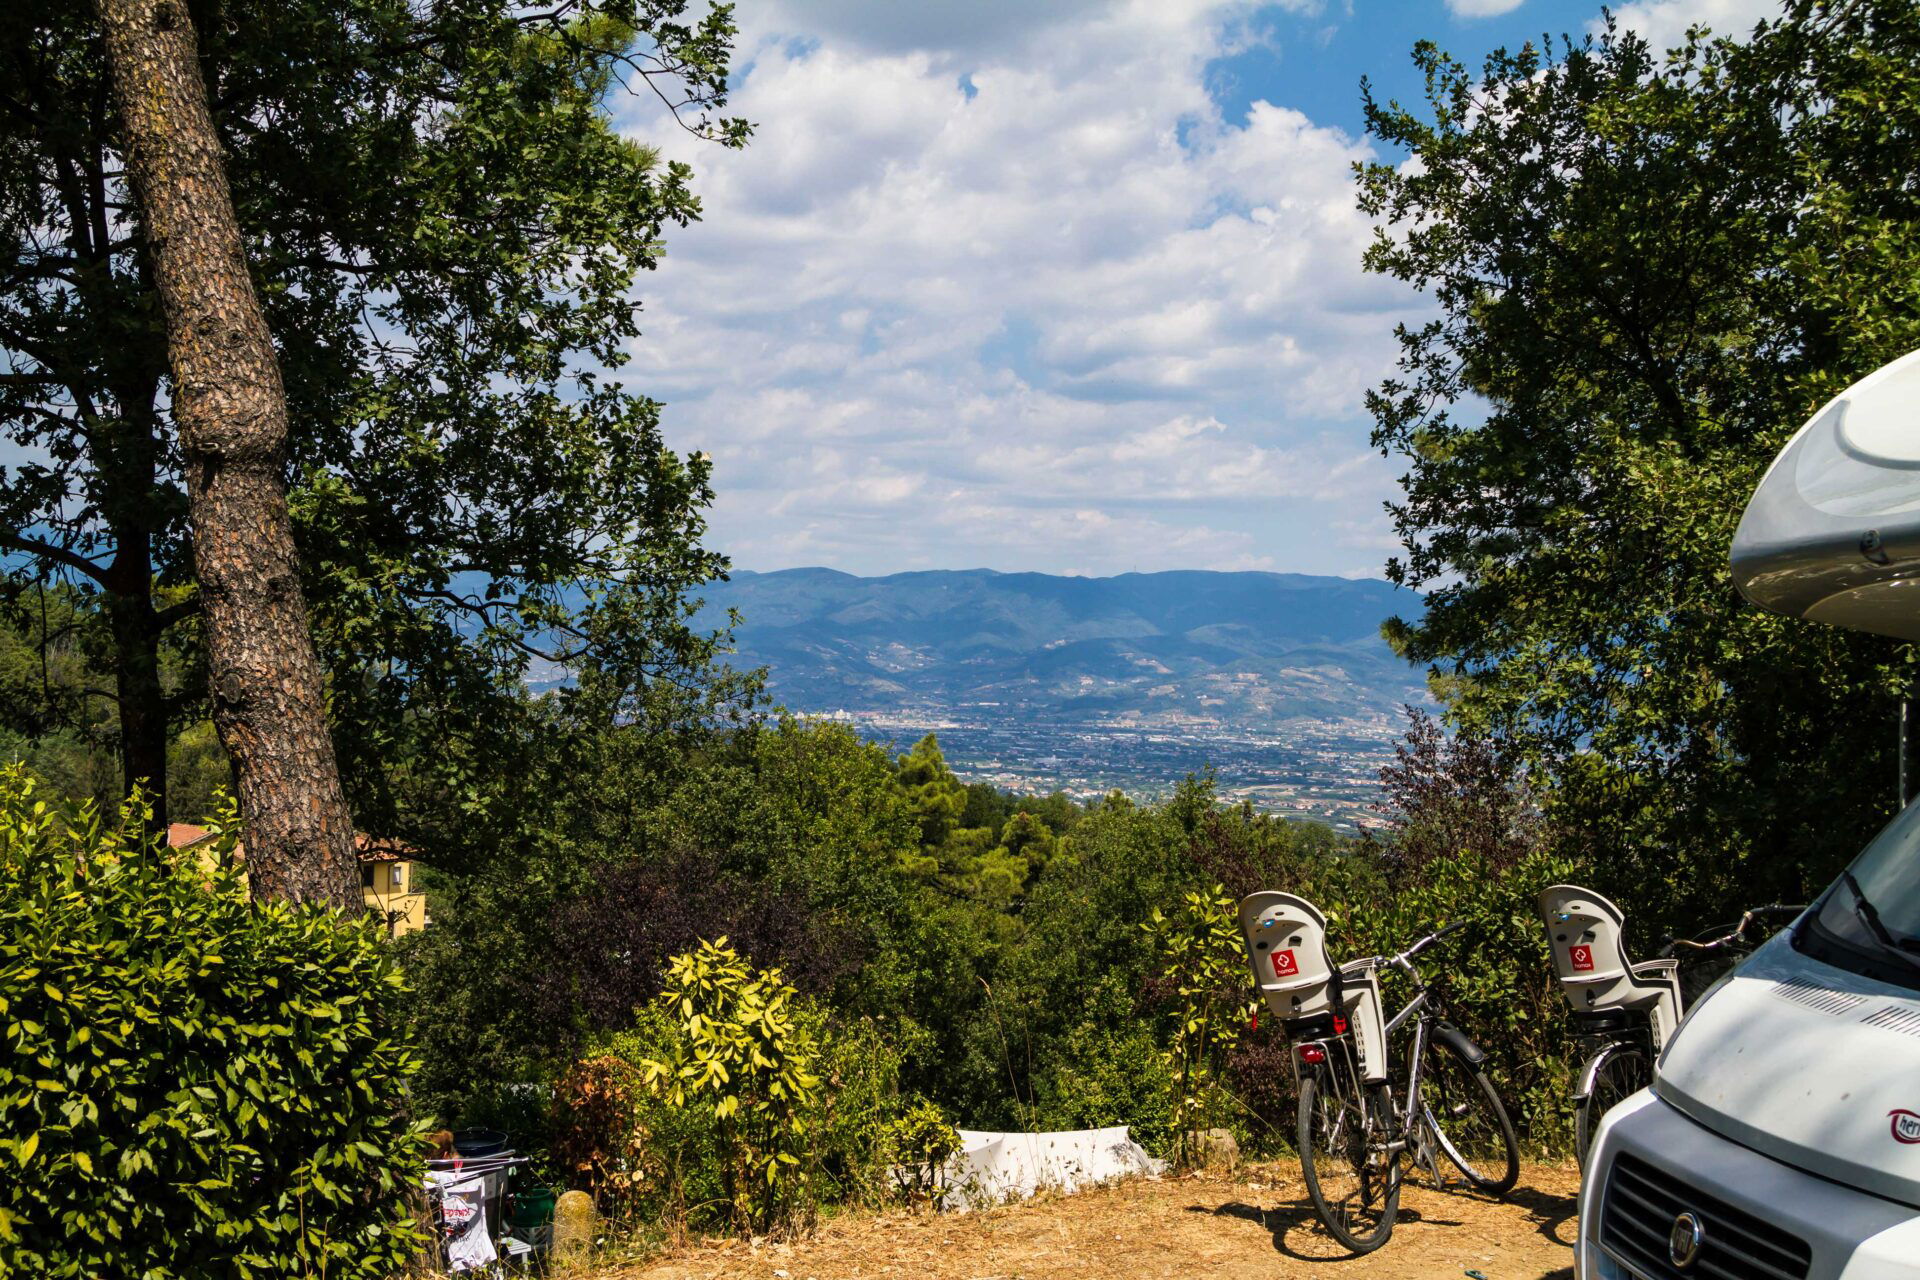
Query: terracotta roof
<point x="180" y="835"/>
<point x="381" y="849"/>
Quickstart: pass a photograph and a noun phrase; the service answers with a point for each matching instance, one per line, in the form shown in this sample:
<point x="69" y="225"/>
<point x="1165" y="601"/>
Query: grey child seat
<point x="1286" y="941"/>
<point x="1585" y="934"/>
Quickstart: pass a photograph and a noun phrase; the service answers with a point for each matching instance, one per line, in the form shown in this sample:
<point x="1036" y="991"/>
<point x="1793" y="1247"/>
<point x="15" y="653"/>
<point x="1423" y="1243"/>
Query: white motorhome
<point x="1781" y="1137"/>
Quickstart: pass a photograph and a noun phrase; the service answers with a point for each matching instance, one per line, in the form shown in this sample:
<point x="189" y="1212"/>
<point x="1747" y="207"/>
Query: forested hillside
<point x="1246" y="650"/>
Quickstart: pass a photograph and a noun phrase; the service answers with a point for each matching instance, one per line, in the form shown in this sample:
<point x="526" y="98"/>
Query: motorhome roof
<point x="1833" y="531"/>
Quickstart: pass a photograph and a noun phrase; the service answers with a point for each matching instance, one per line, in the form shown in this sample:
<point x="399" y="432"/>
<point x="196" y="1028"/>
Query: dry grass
<point x="1256" y="1223"/>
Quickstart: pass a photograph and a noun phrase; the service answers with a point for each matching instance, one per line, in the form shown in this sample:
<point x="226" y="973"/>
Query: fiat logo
<point x="1684" y="1241"/>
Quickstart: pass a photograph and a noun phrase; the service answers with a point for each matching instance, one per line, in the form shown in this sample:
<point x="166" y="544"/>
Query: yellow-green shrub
<point x="821" y="1090"/>
<point x="741" y="1054"/>
<point x="1201" y="980"/>
<point x="192" y="1085"/>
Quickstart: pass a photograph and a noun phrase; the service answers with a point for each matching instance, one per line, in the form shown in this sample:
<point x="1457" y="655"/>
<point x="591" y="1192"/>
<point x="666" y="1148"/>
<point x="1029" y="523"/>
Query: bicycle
<point x="1354" y="1139"/>
<point x="1625" y="1011"/>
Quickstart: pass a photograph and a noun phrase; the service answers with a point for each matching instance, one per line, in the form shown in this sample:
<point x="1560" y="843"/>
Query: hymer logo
<point x="1906" y="1125"/>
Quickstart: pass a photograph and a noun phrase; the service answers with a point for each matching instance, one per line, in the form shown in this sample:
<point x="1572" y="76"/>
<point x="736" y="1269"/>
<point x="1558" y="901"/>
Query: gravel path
<point x="1252" y="1225"/>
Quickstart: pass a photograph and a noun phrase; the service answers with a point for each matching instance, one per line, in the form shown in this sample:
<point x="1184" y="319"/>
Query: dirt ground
<point x="1256" y="1223"/>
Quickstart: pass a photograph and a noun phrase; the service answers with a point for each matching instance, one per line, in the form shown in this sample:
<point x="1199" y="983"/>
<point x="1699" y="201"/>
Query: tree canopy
<point x="1648" y="271"/>
<point x="447" y="228"/>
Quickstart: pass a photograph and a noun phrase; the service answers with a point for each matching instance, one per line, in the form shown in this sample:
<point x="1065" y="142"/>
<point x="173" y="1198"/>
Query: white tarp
<point x="992" y="1168"/>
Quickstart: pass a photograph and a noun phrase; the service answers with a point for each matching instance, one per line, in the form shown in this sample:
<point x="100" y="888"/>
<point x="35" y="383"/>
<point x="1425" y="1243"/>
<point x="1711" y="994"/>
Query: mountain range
<point x="1188" y="649"/>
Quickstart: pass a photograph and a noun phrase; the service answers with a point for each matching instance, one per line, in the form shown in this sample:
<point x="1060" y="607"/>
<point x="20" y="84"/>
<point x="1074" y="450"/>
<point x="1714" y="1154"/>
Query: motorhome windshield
<point x="1869" y="921"/>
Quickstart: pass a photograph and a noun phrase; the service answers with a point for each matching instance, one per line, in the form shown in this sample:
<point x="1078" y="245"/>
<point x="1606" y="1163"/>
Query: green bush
<point x="1110" y="1069"/>
<point x="917" y="1144"/>
<point x="651" y="1155"/>
<point x="857" y="1138"/>
<point x="193" y="1085"/>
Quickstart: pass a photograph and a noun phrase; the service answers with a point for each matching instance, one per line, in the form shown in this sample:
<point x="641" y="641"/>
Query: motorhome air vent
<point x="1818" y="998"/>
<point x="1637" y="1215"/>
<point x="1895" y="1017"/>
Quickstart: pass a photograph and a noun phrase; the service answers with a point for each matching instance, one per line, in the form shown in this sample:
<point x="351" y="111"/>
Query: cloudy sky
<point x="1069" y="286"/>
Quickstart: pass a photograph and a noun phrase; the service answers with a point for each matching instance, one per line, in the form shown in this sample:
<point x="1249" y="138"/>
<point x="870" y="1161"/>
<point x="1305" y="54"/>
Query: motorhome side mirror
<point x="1872" y="548"/>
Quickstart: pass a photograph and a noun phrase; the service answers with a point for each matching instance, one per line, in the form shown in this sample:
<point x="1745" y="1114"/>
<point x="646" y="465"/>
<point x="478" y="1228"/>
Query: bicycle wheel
<point x="1353" y="1183"/>
<point x="1623" y="1074"/>
<point x="1468" y="1122"/>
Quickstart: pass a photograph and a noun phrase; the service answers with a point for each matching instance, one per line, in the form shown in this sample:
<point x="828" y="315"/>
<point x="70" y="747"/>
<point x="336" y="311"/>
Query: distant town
<point x="1279" y="683"/>
<point x="1326" y="771"/>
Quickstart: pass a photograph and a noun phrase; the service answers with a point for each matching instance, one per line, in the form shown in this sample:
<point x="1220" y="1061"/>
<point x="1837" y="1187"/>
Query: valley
<point x="1280" y="683"/>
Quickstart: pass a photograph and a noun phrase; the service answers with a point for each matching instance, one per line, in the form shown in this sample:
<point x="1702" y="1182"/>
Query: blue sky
<point x="1070" y="287"/>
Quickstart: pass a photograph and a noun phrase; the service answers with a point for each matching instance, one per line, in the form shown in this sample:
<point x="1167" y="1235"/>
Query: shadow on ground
<point x="1423" y="1229"/>
<point x="1287" y="1219"/>
<point x="1553" y="1215"/>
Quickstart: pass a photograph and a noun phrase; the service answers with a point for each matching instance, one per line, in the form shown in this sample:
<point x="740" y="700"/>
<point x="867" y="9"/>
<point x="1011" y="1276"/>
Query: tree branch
<point x="13" y="540"/>
<point x="164" y="618"/>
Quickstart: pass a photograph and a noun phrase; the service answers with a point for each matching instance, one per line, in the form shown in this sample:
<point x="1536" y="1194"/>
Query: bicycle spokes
<point x="1353" y="1171"/>
<point x="1466" y="1121"/>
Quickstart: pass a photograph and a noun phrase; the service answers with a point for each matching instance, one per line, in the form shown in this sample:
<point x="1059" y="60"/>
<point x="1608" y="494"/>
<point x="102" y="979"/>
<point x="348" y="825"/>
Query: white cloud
<point x="1482" y="8"/>
<point x="1664" y="23"/>
<point x="1010" y="291"/>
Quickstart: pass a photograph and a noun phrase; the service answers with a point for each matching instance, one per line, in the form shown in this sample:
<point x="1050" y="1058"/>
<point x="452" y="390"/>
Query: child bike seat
<point x="1286" y="940"/>
<point x="1585" y="933"/>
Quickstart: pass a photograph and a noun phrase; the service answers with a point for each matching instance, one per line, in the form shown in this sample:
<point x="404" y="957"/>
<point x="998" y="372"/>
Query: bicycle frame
<point x="1613" y="1034"/>
<point x="1611" y="1043"/>
<point x="1351" y="1126"/>
<point x="1402" y="1118"/>
<point x="1423" y="1010"/>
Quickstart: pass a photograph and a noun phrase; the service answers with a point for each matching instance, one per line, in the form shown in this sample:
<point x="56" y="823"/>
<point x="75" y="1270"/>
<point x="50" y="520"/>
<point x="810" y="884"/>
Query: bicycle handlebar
<point x="1405" y="958"/>
<point x="1737" y="933"/>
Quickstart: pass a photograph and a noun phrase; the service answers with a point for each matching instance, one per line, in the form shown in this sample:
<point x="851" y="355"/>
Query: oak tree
<point x="1648" y="270"/>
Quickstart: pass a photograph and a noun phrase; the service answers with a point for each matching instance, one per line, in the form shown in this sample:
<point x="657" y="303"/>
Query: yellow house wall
<point x="404" y="909"/>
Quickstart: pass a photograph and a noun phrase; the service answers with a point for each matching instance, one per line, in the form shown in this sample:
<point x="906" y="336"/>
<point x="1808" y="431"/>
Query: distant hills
<point x="1191" y="649"/>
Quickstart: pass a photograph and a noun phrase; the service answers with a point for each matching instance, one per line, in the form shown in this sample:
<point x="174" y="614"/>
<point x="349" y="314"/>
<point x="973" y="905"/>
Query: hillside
<point x="1245" y="651"/>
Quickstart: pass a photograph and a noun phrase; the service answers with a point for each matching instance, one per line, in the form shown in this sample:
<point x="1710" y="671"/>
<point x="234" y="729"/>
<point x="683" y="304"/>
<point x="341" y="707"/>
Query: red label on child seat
<point x="1582" y="958"/>
<point x="1284" y="965"/>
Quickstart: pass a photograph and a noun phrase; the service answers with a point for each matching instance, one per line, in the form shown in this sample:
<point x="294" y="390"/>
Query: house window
<point x="398" y="880"/>
<point x="366" y="875"/>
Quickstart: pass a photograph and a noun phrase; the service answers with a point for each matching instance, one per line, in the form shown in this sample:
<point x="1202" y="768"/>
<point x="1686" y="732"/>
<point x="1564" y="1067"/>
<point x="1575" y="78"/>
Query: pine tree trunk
<point x="232" y="413"/>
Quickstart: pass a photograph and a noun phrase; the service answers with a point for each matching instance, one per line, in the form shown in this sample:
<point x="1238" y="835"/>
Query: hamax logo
<point x="1284" y="965"/>
<point x="1582" y="958"/>
<point x="1906" y="1126"/>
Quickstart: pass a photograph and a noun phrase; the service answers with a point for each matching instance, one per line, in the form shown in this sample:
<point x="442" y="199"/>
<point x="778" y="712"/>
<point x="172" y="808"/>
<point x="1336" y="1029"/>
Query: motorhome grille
<point x="1818" y="998"/>
<point x="1637" y="1217"/>
<point x="1895" y="1018"/>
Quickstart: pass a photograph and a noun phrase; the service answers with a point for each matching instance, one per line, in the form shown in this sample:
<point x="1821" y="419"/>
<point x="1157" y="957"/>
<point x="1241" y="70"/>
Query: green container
<point x="532" y="1208"/>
